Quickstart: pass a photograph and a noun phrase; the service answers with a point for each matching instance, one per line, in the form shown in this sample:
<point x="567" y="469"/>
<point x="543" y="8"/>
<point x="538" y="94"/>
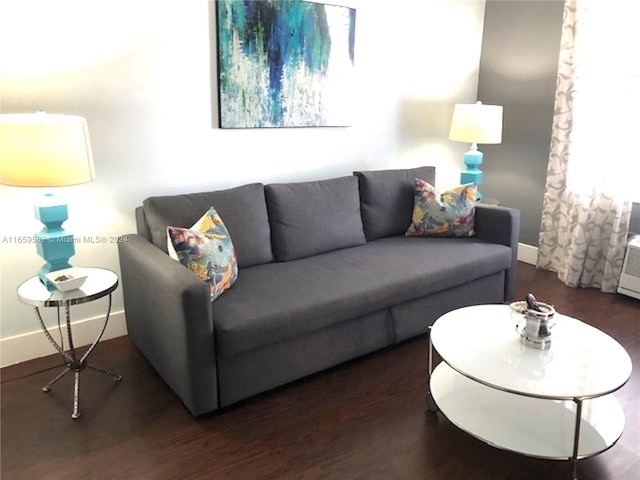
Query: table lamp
<point x="475" y="123"/>
<point x="47" y="150"/>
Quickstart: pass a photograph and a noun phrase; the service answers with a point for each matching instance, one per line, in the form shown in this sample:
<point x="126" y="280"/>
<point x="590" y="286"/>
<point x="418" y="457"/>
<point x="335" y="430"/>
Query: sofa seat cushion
<point x="278" y="301"/>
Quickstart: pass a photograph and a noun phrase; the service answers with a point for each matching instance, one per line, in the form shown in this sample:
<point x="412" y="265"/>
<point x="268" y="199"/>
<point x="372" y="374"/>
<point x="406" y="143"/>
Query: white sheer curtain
<point x="594" y="163"/>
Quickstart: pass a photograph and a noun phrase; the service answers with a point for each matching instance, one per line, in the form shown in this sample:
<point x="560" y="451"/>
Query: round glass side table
<point x="100" y="282"/>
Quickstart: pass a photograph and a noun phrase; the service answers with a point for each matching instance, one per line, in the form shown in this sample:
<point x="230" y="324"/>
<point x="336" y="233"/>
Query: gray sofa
<point x="325" y="275"/>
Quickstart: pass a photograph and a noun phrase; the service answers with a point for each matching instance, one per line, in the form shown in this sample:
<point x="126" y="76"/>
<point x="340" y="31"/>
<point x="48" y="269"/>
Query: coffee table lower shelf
<point x="535" y="427"/>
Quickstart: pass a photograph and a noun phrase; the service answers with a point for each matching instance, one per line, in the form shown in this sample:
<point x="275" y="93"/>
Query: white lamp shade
<point x="44" y="150"/>
<point x="476" y="123"/>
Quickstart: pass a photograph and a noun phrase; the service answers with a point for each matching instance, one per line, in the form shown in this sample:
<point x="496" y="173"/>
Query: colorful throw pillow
<point x="206" y="249"/>
<point x="205" y="224"/>
<point x="447" y="214"/>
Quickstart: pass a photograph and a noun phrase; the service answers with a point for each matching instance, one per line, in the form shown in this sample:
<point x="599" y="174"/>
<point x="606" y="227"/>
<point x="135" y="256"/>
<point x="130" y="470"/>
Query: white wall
<point x="140" y="72"/>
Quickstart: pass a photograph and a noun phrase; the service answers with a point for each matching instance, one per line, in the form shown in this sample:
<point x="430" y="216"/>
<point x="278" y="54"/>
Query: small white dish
<point x="67" y="279"/>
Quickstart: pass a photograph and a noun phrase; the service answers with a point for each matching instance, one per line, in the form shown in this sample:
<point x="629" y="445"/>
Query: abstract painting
<point x="284" y="63"/>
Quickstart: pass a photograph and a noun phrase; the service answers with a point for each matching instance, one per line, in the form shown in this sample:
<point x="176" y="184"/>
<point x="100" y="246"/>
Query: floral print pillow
<point x="447" y="214"/>
<point x="206" y="249"/>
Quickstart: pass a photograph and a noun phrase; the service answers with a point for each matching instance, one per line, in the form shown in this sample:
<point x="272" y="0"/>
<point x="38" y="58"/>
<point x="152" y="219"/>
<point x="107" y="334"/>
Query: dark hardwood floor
<point x="362" y="420"/>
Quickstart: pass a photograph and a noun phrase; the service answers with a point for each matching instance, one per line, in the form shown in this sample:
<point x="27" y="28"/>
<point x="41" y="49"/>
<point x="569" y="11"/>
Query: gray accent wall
<point x="518" y="67"/>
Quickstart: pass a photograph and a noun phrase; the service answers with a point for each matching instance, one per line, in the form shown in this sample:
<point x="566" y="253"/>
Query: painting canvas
<point x="284" y="63"/>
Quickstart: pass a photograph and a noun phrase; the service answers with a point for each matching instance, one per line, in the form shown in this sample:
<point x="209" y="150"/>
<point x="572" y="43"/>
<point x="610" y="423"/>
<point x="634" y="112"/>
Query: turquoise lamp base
<point x="53" y="243"/>
<point x="472" y="174"/>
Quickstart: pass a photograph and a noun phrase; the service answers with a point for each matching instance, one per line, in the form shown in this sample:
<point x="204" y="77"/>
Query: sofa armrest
<point x="500" y="225"/>
<point x="169" y="318"/>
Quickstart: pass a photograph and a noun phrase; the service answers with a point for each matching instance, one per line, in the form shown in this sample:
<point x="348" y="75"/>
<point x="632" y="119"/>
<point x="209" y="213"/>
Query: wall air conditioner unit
<point x="629" y="283"/>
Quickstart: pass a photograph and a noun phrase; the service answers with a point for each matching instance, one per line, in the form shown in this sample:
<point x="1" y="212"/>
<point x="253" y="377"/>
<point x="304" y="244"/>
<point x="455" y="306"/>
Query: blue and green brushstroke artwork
<point x="284" y="63"/>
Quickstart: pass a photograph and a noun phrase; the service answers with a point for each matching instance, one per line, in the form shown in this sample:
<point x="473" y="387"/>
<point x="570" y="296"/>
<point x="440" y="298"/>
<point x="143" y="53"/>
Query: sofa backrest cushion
<point x="386" y="199"/>
<point x="308" y="218"/>
<point x="243" y="210"/>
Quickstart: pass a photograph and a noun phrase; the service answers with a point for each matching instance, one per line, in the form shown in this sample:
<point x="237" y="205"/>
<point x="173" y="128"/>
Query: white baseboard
<point x="34" y="344"/>
<point x="527" y="253"/>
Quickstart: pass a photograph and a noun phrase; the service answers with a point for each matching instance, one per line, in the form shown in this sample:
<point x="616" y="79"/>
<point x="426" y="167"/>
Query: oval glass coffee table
<point x="551" y="404"/>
